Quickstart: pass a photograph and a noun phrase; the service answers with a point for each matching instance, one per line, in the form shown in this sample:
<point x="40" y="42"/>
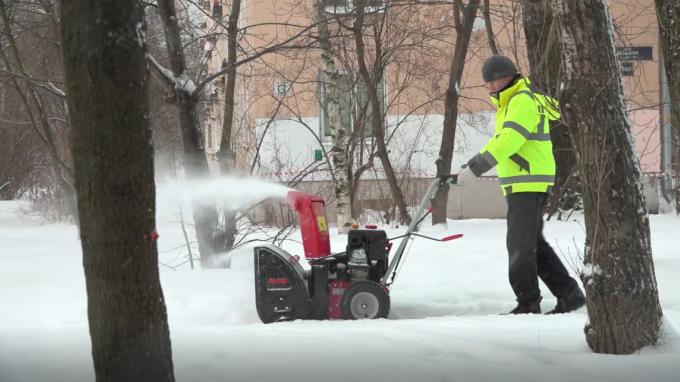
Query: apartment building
<point x="282" y="129"/>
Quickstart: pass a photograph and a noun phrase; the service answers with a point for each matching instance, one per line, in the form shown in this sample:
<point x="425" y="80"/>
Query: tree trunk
<point x="668" y="13"/>
<point x="106" y="82"/>
<point x="622" y="298"/>
<point x="464" y="20"/>
<point x="211" y="240"/>
<point x="377" y="125"/>
<point x="226" y="154"/>
<point x="486" y="14"/>
<point x="338" y="132"/>
<point x="543" y="48"/>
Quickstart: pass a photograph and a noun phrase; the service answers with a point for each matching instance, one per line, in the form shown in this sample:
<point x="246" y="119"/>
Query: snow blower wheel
<point x="365" y="300"/>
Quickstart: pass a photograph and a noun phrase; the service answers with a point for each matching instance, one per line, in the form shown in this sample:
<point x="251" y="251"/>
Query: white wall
<point x="289" y="145"/>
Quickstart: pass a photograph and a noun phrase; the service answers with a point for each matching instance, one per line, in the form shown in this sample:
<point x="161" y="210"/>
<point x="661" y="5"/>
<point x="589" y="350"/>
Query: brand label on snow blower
<point x="321" y="221"/>
<point x="277" y="280"/>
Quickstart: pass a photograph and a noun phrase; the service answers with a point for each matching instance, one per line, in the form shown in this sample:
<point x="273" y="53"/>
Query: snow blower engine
<point x="353" y="284"/>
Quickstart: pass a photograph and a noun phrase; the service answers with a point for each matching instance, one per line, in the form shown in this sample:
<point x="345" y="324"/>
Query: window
<point x="363" y="106"/>
<point x="375" y="5"/>
<point x="355" y="107"/>
<point x="346" y="6"/>
<point x="338" y="6"/>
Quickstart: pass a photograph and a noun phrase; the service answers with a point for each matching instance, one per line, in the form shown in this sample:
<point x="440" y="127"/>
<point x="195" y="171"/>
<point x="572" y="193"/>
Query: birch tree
<point x="622" y="298"/>
<point x="339" y="132"/>
<point x="104" y="56"/>
<point x="213" y="237"/>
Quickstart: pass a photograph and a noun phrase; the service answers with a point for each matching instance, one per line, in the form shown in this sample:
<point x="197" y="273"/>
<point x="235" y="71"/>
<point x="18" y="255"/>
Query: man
<point x="522" y="150"/>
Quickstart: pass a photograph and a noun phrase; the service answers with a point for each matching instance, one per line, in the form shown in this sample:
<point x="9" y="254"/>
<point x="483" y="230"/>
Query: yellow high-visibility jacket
<point x="521" y="145"/>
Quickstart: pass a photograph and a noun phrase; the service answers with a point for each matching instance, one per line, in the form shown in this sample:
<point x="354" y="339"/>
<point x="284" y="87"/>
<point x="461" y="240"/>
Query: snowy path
<point x="443" y="326"/>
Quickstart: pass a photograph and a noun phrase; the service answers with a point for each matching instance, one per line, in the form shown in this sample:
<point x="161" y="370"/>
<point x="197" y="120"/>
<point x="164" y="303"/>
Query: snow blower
<point x="353" y="284"/>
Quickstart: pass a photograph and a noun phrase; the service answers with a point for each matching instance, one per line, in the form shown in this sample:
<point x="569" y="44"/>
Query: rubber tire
<point x="361" y="287"/>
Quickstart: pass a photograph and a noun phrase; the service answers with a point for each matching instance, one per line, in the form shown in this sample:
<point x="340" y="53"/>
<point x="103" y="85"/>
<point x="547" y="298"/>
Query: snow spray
<point x="232" y="193"/>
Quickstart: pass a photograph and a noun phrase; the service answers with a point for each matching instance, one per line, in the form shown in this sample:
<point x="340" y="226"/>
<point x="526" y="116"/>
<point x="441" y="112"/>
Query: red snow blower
<point x="353" y="284"/>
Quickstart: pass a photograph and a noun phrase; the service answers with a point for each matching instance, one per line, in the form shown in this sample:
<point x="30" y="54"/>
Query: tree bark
<point x="338" y="133"/>
<point x="668" y="14"/>
<point x="622" y="298"/>
<point x="106" y="82"/>
<point x="211" y="240"/>
<point x="486" y="13"/>
<point x="377" y="118"/>
<point x="543" y="48"/>
<point x="226" y="154"/>
<point x="464" y="19"/>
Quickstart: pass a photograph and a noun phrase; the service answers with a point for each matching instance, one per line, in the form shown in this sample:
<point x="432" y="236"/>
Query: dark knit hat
<point x="496" y="67"/>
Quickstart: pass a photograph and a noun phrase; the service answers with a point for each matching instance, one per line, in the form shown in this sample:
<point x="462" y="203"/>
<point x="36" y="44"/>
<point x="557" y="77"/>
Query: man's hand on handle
<point x="466" y="176"/>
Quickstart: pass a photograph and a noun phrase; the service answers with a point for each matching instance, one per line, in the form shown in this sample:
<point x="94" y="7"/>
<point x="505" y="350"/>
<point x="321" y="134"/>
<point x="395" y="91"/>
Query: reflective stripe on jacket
<point x="521" y="145"/>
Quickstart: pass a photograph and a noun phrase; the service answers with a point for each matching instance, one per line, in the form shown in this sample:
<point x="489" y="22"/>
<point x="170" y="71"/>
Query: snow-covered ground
<point x="444" y="324"/>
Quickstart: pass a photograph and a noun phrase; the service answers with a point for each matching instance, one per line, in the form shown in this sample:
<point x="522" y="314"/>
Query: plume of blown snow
<point x="232" y="193"/>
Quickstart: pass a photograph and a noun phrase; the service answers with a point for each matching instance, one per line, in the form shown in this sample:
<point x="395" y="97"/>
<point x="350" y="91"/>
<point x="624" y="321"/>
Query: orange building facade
<point x="280" y="126"/>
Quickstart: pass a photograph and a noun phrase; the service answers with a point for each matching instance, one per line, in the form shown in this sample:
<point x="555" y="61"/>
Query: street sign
<point x="634" y="53"/>
<point x="629" y="55"/>
<point x="627" y="68"/>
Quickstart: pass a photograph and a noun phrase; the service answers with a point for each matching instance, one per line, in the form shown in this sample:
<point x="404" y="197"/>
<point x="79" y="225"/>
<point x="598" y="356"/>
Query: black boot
<point x="572" y="301"/>
<point x="533" y="307"/>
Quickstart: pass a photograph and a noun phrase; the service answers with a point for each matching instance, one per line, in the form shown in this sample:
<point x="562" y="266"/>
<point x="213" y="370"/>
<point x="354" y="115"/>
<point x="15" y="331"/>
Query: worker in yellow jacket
<point x="522" y="151"/>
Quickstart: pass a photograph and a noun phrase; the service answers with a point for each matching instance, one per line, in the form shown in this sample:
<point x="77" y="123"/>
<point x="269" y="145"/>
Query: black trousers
<point x="530" y="256"/>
